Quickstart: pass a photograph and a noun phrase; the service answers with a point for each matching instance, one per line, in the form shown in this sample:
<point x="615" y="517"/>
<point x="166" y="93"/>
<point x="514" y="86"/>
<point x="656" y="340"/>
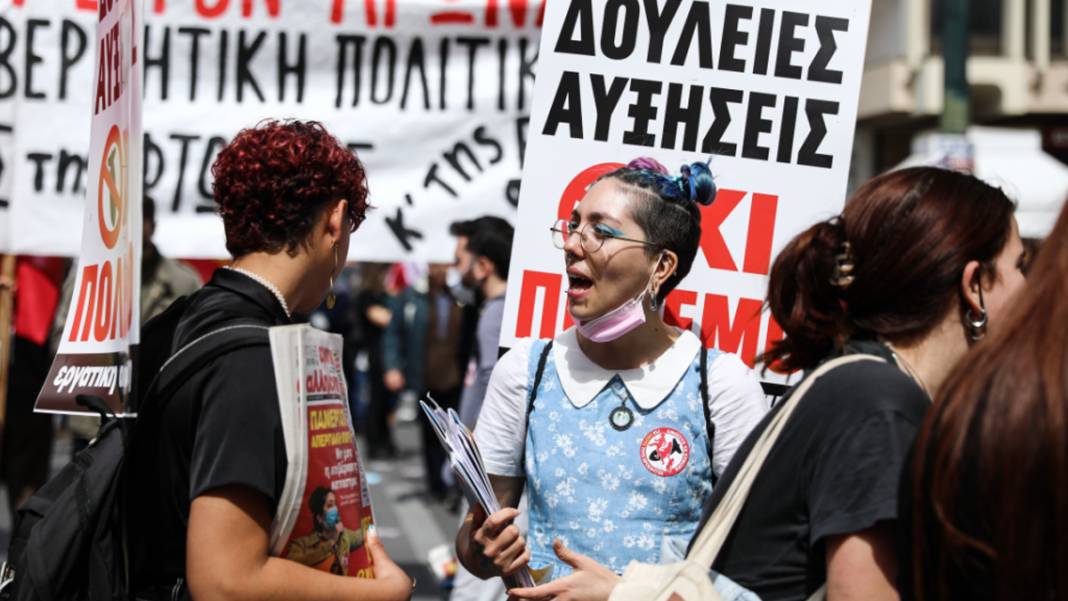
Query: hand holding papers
<point x="467" y="463"/>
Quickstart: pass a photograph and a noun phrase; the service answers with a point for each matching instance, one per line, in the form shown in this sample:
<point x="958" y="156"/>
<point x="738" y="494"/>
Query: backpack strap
<point x="710" y="427"/>
<point x="537" y="377"/>
<point x="195" y="355"/>
<point x="710" y="538"/>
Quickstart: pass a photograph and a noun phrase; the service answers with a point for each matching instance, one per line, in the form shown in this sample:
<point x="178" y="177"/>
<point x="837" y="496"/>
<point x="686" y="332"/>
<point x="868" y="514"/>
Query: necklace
<point x="902" y="362"/>
<point x="266" y="284"/>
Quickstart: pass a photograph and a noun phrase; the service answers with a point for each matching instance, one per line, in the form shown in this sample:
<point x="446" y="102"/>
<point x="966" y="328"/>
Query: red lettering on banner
<point x="518" y="9"/>
<point x="211" y="11"/>
<point x="109" y="70"/>
<point x="104" y="304"/>
<point x="676" y="299"/>
<point x="452" y="17"/>
<point x="104" y="7"/>
<point x="337" y="12"/>
<point x="713" y="245"/>
<point x="532" y="281"/>
<point x="719" y="331"/>
<point x="86" y="303"/>
<point x="273" y="7"/>
<point x="104" y="293"/>
<point x="576" y="188"/>
<point x="759" y="236"/>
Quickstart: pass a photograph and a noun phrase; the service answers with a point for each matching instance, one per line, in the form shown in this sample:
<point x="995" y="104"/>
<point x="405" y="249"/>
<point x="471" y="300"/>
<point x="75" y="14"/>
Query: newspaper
<point x="325" y="508"/>
<point x="466" y="461"/>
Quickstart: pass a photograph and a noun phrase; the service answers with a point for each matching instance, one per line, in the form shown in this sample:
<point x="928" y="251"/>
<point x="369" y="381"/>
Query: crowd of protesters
<point x="936" y="470"/>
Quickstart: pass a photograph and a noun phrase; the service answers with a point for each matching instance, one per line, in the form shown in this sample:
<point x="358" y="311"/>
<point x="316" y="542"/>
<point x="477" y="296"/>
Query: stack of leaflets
<point x="325" y="509"/>
<point x="467" y="463"/>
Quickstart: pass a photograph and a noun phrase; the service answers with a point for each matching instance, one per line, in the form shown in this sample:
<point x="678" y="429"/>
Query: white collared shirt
<point x="735" y="400"/>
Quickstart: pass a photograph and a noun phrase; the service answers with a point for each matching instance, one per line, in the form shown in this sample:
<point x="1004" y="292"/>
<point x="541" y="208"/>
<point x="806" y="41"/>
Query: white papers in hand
<point x="466" y="461"/>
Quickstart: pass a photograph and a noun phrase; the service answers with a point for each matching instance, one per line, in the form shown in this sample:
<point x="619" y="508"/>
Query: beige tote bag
<point x="688" y="580"/>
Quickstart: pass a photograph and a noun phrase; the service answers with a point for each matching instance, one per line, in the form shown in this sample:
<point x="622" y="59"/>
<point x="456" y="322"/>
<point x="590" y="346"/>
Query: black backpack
<point x="69" y="539"/>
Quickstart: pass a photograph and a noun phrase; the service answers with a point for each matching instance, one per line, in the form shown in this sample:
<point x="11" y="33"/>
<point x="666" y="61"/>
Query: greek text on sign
<point x="767" y="93"/>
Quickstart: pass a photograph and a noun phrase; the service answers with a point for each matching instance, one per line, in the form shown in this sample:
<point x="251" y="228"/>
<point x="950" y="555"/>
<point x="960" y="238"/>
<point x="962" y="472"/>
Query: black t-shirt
<point x="221" y="428"/>
<point x="834" y="470"/>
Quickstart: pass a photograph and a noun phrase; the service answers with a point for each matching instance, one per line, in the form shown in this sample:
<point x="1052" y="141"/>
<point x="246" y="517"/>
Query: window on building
<point x="984" y="28"/>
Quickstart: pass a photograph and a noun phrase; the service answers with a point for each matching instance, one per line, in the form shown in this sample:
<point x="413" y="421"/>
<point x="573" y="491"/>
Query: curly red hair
<point x="273" y="181"/>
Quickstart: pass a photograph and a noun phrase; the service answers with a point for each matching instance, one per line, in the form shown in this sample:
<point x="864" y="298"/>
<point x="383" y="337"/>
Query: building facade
<point x="1017" y="71"/>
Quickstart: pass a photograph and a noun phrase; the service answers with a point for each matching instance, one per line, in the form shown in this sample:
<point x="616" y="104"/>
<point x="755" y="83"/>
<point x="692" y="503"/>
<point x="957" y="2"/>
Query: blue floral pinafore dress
<point x="616" y="496"/>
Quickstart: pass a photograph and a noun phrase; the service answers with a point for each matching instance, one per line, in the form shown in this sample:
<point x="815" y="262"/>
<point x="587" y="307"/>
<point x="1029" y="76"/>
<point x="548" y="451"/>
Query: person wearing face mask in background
<point x="618" y="426"/>
<point x="483" y="250"/>
<point x="328" y="545"/>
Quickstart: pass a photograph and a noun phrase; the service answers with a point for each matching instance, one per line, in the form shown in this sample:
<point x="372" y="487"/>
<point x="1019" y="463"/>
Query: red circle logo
<point x="576" y="188"/>
<point x="665" y="452"/>
<point x="111" y="189"/>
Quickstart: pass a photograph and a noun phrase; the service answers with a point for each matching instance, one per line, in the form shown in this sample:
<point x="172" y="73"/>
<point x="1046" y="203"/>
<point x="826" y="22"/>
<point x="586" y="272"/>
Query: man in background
<point x="483" y="251"/>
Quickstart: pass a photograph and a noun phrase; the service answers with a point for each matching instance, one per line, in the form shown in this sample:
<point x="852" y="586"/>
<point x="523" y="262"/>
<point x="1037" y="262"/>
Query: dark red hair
<point x="911" y="233"/>
<point x="990" y="473"/>
<point x="273" y="181"/>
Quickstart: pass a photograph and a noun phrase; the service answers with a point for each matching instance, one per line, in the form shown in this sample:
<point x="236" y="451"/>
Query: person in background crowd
<point x="163" y="280"/>
<point x="613" y="426"/>
<point x="483" y="250"/>
<point x="987" y="504"/>
<point x="918" y="265"/>
<point x="27" y="436"/>
<point x="420" y="354"/>
<point x="373" y="314"/>
<point x="290" y="195"/>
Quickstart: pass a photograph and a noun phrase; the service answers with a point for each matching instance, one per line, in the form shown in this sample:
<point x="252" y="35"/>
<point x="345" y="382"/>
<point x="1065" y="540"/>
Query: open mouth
<point x="578" y="283"/>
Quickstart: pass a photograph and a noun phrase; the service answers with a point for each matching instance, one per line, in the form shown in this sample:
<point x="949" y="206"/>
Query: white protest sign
<point x="94" y="352"/>
<point x="767" y="90"/>
<point x="433" y="95"/>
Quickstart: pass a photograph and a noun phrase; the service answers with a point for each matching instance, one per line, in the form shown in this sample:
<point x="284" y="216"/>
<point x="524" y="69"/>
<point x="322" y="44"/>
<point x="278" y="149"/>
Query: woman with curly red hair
<point x="289" y="195"/>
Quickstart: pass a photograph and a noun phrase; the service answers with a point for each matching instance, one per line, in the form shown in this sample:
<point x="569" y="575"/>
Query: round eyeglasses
<point x="591" y="236"/>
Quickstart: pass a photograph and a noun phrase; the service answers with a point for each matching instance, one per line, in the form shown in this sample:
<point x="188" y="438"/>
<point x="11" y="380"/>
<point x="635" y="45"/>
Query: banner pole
<point x="7" y="303"/>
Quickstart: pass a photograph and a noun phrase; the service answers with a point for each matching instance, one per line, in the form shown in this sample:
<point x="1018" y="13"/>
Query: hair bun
<point x="648" y="164"/>
<point x="696" y="182"/>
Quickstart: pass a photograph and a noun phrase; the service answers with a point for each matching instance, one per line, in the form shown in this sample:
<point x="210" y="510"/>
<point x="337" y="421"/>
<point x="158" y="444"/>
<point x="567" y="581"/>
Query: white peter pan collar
<point x="649" y="385"/>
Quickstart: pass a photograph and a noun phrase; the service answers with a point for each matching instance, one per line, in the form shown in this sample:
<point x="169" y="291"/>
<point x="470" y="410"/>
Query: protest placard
<point x="103" y="319"/>
<point x="432" y="95"/>
<point x="767" y="92"/>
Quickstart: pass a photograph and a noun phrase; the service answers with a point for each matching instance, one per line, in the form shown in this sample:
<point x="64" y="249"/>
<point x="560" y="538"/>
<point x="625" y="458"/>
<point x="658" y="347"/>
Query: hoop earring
<point x="331" y="298"/>
<point x="977" y="323"/>
<point x="653" y="304"/>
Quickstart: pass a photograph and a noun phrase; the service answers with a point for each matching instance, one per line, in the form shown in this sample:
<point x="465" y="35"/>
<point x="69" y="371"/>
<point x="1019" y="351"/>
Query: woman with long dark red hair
<point x="990" y="475"/>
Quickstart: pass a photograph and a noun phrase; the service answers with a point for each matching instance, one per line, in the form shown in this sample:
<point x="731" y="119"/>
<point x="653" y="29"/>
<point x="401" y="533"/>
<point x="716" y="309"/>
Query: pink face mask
<point x="618" y="321"/>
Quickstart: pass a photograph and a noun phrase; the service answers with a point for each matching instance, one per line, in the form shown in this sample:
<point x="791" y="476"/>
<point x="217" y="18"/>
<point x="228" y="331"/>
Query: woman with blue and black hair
<point x="618" y="426"/>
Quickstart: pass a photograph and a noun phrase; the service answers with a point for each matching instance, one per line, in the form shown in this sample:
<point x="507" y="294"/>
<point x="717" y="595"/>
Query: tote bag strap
<point x="715" y="531"/>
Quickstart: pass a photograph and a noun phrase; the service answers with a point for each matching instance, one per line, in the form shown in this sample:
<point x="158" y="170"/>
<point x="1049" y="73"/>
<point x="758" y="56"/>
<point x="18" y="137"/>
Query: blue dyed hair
<point x="666" y="208"/>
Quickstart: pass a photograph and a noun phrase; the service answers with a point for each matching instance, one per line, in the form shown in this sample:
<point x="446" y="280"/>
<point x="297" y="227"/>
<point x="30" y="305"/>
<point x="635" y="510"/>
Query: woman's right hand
<point x="501" y="547"/>
<point x="396" y="585"/>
